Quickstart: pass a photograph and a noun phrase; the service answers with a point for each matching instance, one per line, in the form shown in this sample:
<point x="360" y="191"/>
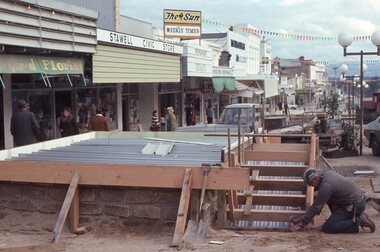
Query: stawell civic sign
<point x="182" y="24"/>
<point x="123" y="39"/>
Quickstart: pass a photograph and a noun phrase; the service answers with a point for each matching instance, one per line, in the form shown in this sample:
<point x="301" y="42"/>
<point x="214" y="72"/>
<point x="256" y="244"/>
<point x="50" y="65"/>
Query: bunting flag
<point x="282" y="35"/>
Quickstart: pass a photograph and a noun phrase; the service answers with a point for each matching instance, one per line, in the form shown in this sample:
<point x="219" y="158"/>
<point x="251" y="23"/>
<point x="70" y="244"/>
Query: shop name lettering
<point x="168" y="47"/>
<point x="170" y="16"/>
<point x="59" y="66"/>
<point x="16" y="66"/>
<point x="181" y="30"/>
<point x="200" y="52"/>
<point x="121" y="39"/>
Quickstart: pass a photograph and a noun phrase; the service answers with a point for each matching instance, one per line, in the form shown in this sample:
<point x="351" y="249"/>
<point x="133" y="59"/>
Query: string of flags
<point x="281" y="35"/>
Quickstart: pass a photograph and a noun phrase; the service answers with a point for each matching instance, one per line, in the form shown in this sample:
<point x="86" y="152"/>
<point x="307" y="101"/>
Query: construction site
<point x="162" y="191"/>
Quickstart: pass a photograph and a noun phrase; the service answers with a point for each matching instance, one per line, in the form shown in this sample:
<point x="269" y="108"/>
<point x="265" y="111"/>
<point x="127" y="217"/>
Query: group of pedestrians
<point x="25" y="129"/>
<point x="170" y="118"/>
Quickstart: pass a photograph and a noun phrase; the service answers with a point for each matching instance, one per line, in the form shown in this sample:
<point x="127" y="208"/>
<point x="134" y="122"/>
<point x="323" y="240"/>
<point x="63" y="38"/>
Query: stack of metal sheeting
<point x="252" y="162"/>
<point x="261" y="224"/>
<point x="128" y="151"/>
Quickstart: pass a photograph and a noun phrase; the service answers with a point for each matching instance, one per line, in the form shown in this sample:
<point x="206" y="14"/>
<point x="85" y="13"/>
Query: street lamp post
<point x="345" y="41"/>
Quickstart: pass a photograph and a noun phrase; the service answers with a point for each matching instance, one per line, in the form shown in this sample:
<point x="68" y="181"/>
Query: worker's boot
<point x="366" y="222"/>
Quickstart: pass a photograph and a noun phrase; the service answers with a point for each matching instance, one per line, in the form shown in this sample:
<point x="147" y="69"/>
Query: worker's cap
<point x="22" y="104"/>
<point x="309" y="174"/>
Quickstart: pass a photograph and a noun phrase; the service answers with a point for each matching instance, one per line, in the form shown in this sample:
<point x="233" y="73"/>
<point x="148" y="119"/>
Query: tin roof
<point x="103" y="150"/>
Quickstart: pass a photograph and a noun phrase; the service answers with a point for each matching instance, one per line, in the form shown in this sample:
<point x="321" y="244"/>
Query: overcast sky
<point x="299" y="17"/>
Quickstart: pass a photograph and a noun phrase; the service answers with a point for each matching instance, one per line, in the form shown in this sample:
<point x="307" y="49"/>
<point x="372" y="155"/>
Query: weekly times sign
<point x="182" y="24"/>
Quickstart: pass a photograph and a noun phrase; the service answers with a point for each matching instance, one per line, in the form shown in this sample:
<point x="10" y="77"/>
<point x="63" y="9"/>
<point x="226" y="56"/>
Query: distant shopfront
<point x="146" y="71"/>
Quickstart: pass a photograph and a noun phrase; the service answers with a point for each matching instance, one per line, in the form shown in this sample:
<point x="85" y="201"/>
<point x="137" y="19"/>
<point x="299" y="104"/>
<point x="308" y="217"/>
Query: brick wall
<point x="160" y="205"/>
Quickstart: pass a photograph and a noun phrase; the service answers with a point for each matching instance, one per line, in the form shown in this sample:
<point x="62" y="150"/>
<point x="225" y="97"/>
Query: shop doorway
<point x="2" y="141"/>
<point x="62" y="99"/>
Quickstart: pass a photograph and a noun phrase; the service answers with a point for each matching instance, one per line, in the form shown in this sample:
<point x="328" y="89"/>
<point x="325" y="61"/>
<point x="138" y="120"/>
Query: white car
<point x="293" y="106"/>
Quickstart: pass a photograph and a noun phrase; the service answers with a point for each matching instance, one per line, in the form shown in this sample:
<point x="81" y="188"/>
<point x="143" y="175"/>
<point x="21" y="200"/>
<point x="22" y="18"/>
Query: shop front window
<point x="90" y="99"/>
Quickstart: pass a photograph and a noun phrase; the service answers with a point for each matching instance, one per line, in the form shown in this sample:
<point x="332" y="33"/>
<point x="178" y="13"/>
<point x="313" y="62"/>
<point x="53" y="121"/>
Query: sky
<point x="324" y="18"/>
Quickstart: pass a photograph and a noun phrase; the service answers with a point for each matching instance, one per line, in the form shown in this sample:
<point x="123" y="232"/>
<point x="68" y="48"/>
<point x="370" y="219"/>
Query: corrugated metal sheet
<point x="127" y="151"/>
<point x="106" y="9"/>
<point x="123" y="65"/>
<point x="40" y="27"/>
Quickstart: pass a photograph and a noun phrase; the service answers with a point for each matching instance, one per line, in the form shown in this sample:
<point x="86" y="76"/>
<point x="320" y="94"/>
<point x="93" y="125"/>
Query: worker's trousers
<point x="344" y="221"/>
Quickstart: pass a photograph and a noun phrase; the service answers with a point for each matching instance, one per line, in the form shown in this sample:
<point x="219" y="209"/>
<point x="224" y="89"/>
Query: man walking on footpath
<point x="98" y="122"/>
<point x="172" y="120"/>
<point x="345" y="200"/>
<point x="24" y="126"/>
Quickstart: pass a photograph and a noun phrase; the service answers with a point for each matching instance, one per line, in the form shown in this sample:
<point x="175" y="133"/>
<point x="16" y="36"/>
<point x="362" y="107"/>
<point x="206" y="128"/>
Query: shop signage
<point x="182" y="24"/>
<point x="36" y="64"/>
<point x="123" y="39"/>
<point x="222" y="71"/>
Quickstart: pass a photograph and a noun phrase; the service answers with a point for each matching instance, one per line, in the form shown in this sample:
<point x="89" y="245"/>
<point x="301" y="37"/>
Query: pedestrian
<point x="155" y="124"/>
<point x="24" y="126"/>
<point x="345" y="200"/>
<point x="67" y="123"/>
<point x="98" y="122"/>
<point x="210" y="114"/>
<point x="172" y="121"/>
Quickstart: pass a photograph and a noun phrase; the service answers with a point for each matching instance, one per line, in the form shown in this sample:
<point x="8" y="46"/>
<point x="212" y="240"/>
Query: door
<point x="62" y="99"/>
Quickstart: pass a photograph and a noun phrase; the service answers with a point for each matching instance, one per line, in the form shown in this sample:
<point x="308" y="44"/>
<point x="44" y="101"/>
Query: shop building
<point x="146" y="73"/>
<point x="46" y="47"/>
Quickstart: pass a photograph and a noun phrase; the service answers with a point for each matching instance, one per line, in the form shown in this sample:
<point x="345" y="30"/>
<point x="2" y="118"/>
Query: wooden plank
<point x="248" y="202"/>
<point x="312" y="156"/>
<point x="74" y="213"/>
<point x="221" y="219"/>
<point x="274" y="199"/>
<point x="277" y="170"/>
<point x="280" y="147"/>
<point x="279" y="185"/>
<point x="122" y="175"/>
<point x="268" y="215"/>
<point x="231" y="205"/>
<point x="65" y="208"/>
<point x="183" y="208"/>
<point x="49" y="247"/>
<point x="194" y="205"/>
<point x="375" y="182"/>
<point x="286" y="156"/>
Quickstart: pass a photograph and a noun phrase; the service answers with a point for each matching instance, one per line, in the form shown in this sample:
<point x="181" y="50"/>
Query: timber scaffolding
<point x="258" y="185"/>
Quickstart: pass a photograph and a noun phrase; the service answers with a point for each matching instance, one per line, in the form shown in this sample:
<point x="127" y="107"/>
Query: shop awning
<point x="223" y="83"/>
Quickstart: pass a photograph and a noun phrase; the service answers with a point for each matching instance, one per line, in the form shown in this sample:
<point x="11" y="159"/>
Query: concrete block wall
<point x="159" y="205"/>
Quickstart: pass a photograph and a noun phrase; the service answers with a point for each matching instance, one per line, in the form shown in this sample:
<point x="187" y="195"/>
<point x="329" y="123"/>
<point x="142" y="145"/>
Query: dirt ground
<point x="113" y="235"/>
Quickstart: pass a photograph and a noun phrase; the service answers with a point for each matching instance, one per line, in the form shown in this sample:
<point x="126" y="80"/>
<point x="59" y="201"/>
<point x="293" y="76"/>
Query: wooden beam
<point x="65" y="208"/>
<point x="122" y="175"/>
<point x="312" y="157"/>
<point x="74" y="213"/>
<point x="183" y="208"/>
<point x="194" y="205"/>
<point x="280" y="147"/>
<point x="277" y="170"/>
<point x="274" y="199"/>
<point x="231" y="205"/>
<point x="221" y="219"/>
<point x="248" y="194"/>
<point x="284" y="155"/>
<point x="49" y="247"/>
<point x="267" y="215"/>
<point x="279" y="184"/>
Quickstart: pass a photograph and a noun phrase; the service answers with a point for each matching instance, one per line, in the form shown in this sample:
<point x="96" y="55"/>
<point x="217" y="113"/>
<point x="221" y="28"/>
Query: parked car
<point x="372" y="133"/>
<point x="247" y="113"/>
<point x="293" y="106"/>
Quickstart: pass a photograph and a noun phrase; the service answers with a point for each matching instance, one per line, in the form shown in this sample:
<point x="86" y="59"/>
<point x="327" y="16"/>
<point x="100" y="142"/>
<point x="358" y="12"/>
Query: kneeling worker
<point x="345" y="200"/>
